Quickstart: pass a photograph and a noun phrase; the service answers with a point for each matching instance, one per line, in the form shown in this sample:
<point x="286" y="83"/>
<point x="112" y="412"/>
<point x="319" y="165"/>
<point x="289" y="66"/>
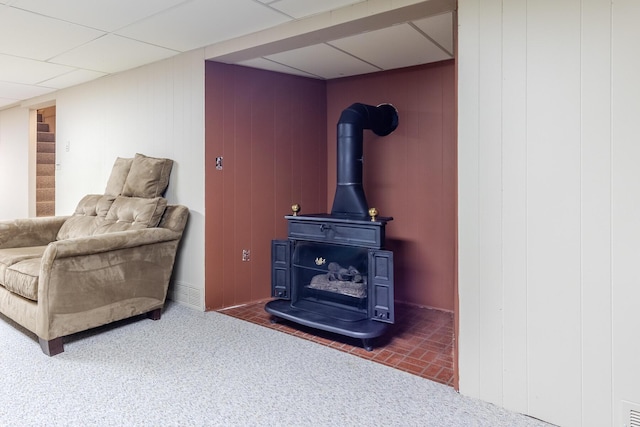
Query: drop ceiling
<point x="50" y="45"/>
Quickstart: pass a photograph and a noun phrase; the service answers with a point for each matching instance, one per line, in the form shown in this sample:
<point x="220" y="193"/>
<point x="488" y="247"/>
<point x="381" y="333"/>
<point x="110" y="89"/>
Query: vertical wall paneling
<point x="182" y="87"/>
<point x="514" y="203"/>
<point x="214" y="188"/>
<point x="244" y="147"/>
<point x="595" y="210"/>
<point x="553" y="209"/>
<point x="468" y="189"/>
<point x="270" y="130"/>
<point x="263" y="103"/>
<point x="228" y="196"/>
<point x="569" y="201"/>
<point x="14" y="163"/>
<point x="490" y="144"/>
<point x="283" y="149"/>
<point x="625" y="205"/>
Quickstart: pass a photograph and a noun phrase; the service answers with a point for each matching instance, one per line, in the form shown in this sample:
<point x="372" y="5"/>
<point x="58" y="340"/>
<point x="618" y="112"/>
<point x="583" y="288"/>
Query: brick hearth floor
<point x="420" y="342"/>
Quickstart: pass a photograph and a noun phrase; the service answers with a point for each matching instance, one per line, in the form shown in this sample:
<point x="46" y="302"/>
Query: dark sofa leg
<point x="51" y="347"/>
<point x="155" y="314"/>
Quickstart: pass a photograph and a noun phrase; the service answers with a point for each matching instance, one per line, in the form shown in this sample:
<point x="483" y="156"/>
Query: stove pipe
<point x="349" y="199"/>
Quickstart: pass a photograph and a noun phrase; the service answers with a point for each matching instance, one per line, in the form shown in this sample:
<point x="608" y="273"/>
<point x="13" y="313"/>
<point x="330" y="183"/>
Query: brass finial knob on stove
<point x="373" y="213"/>
<point x="295" y="208"/>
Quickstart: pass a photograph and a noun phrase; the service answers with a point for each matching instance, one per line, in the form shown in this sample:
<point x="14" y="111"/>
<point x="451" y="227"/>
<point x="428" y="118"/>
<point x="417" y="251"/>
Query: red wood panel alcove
<point x="270" y="129"/>
<point x="277" y="135"/>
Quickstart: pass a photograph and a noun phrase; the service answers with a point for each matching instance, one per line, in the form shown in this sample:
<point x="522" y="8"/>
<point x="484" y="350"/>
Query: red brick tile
<point x="410" y="367"/>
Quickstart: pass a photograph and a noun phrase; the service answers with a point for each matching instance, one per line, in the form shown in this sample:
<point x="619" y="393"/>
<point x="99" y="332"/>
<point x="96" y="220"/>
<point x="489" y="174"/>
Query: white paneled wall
<point x="15" y="174"/>
<point x="156" y="110"/>
<point x="625" y="203"/>
<point x="549" y="198"/>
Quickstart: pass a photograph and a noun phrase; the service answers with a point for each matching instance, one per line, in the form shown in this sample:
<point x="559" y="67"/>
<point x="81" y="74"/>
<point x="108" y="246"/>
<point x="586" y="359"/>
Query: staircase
<point x="45" y="170"/>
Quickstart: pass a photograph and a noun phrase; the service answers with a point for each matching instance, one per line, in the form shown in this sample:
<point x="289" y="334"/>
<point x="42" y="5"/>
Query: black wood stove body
<point x="332" y="272"/>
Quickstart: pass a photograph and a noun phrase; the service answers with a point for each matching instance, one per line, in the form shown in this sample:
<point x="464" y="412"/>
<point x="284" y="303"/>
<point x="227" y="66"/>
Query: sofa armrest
<point x="90" y="281"/>
<point x="20" y="233"/>
<point x="108" y="242"/>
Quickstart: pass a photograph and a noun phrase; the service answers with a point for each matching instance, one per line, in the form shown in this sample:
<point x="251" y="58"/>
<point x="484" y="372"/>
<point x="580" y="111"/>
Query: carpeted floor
<point x="208" y="369"/>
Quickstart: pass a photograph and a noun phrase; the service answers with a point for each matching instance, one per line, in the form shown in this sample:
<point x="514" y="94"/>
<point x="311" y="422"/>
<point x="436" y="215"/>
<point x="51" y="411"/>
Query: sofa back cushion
<point x="86" y="217"/>
<point x="97" y="214"/>
<point x="94" y="205"/>
<point x="148" y="177"/>
<point x="130" y="213"/>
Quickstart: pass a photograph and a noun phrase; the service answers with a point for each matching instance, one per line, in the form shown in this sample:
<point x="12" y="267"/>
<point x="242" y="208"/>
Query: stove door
<point x="381" y="299"/>
<point x="281" y="269"/>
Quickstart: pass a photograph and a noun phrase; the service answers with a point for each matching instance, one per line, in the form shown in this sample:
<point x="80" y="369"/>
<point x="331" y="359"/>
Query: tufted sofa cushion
<point x="86" y="218"/>
<point x="130" y="213"/>
<point x="94" y="205"/>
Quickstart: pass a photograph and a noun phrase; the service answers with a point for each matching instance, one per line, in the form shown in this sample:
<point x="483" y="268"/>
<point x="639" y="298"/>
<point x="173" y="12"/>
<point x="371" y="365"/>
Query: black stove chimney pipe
<point x="382" y="120"/>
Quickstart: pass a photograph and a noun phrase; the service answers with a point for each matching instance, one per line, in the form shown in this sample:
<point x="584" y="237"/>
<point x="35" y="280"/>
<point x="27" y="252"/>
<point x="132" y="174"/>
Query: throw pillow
<point x="118" y="176"/>
<point x="148" y="177"/>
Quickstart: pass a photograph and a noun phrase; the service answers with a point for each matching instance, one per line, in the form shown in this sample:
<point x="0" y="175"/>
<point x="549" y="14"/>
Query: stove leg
<point x="366" y="343"/>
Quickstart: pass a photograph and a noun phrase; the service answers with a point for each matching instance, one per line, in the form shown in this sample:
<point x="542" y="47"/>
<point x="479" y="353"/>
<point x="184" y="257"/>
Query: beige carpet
<point x="209" y="369"/>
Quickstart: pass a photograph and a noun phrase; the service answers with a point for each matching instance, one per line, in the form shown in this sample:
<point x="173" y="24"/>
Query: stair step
<point x="46" y="158"/>
<point x="45" y="208"/>
<point x="46" y="181"/>
<point x="46" y="137"/>
<point x="46" y="147"/>
<point x="45" y="170"/>
<point x="45" y="195"/>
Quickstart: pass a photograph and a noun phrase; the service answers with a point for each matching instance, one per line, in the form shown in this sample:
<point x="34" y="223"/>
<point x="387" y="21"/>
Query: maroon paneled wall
<point x="410" y="174"/>
<point x="270" y="129"/>
<point x="277" y="134"/>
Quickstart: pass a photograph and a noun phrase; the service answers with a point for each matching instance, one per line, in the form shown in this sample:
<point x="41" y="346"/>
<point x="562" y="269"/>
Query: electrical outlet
<point x="246" y="255"/>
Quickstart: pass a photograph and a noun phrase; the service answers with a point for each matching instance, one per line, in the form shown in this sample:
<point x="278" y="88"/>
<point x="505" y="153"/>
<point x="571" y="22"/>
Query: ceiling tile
<point x="111" y="54"/>
<point x="265" y="64"/>
<point x="202" y="22"/>
<point x="324" y="61"/>
<point x="52" y="45"/>
<point x="28" y="71"/>
<point x="105" y="15"/>
<point x="30" y="35"/>
<point x="393" y="47"/>
<point x="439" y="28"/>
<point x="18" y="92"/>
<point x="73" y="78"/>
<point x="301" y="8"/>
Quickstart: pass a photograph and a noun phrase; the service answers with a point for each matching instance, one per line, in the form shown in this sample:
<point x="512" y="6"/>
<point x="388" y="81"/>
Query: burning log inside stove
<point x="345" y="281"/>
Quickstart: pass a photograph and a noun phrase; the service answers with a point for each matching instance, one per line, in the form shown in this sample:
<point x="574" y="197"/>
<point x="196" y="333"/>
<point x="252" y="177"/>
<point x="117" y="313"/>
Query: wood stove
<point x="332" y="272"/>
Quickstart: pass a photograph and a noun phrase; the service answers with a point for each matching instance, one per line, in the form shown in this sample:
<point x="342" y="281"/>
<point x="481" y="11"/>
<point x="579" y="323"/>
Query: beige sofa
<point x="112" y="259"/>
